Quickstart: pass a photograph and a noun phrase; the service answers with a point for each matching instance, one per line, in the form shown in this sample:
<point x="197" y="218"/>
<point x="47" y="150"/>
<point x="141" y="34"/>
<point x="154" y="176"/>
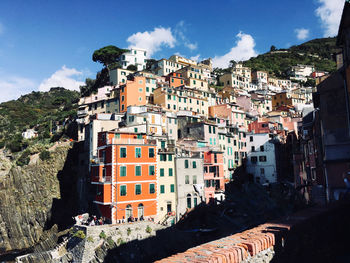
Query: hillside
<point x="38" y="110"/>
<point x="317" y="52"/>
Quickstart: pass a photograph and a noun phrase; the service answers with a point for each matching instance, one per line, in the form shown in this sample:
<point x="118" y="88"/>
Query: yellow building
<point x="166" y="181"/>
<point x="235" y="80"/>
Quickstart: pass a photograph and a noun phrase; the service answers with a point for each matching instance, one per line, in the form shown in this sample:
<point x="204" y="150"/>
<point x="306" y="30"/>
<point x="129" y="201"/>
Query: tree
<point x="108" y="55"/>
<point x="149" y="63"/>
<point x="273" y="48"/>
<point x="233" y="63"/>
<point x="132" y="68"/>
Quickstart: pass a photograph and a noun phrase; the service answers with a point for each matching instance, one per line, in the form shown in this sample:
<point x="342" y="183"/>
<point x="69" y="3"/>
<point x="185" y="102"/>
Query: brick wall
<point x="314" y="235"/>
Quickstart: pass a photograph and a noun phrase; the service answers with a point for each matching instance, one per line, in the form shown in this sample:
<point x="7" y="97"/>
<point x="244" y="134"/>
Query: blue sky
<point x="47" y="43"/>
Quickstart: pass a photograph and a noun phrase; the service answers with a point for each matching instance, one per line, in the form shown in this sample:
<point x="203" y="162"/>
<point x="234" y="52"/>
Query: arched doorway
<point x="140" y="211"/>
<point x="128" y="212"/>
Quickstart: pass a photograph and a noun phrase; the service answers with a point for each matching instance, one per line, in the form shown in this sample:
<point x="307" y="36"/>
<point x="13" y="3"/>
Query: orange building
<point x="132" y="93"/>
<point x="214" y="178"/>
<point x="125" y="176"/>
<point x="175" y="80"/>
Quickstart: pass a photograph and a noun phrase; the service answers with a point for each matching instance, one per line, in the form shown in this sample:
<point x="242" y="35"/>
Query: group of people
<point x="94" y="221"/>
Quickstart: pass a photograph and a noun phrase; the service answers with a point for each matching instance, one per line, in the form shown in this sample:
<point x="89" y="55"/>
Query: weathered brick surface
<point x="246" y="246"/>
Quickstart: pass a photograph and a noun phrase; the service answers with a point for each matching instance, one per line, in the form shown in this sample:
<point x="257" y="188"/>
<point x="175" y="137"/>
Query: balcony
<point x="81" y="121"/>
<point x="82" y="113"/>
<point x="97" y="160"/>
<point x="126" y="141"/>
<point x="102" y="179"/>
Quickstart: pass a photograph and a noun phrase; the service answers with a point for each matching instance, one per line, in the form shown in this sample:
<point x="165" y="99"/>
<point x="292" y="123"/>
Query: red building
<point x="125" y="176"/>
<point x="214" y="178"/>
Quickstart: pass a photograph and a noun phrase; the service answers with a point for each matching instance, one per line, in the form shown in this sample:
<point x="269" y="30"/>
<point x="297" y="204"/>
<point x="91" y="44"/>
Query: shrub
<point x="128" y="231"/>
<point x="120" y="241"/>
<point x="23" y="159"/>
<point x="110" y="242"/>
<point x="148" y="229"/>
<point x="103" y="235"/>
<point x="45" y="155"/>
<point x="90" y="239"/>
<point x="79" y="234"/>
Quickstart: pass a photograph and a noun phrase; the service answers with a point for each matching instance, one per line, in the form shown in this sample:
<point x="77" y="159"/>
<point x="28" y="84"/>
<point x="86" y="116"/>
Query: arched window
<point x="195" y="200"/>
<point x="128" y="212"/>
<point x="140" y="210"/>
<point x="189" y="201"/>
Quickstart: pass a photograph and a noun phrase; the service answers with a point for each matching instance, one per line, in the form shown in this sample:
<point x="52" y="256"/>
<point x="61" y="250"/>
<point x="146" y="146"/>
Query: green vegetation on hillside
<point x="317" y="52"/>
<point x="37" y="110"/>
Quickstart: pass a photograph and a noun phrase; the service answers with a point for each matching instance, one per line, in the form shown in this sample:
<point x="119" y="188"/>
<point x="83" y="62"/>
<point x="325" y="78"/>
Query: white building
<point x="29" y="133"/>
<point x="136" y="56"/>
<point x="301" y="72"/>
<point x="261" y="161"/>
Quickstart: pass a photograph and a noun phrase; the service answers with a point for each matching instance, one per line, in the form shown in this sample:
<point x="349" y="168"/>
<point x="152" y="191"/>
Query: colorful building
<point x="214" y="179"/>
<point x="125" y="176"/>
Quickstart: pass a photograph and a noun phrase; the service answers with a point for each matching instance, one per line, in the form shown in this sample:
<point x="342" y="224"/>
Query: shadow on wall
<point x="68" y="205"/>
<point x="245" y="207"/>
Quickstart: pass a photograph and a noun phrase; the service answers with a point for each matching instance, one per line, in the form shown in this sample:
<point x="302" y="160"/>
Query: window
<point x="188" y="201"/>
<point x="162" y="144"/>
<point x="262" y="148"/>
<point x="186" y="163"/>
<point x="162" y="189"/>
<point x="151" y="170"/>
<point x="172" y="188"/>
<point x="195" y="201"/>
<point x="137" y="189"/>
<point x="151" y="152"/>
<point x="262" y="171"/>
<point x="151" y="189"/>
<point x="170" y="157"/>
<point x="123" y="190"/>
<point x="138" y="152"/>
<point x="137" y="170"/>
<point x="162" y="157"/>
<point x="187" y="179"/>
<point x="123" y="98"/>
<point x="209" y="129"/>
<point x="262" y="158"/>
<point x="161" y="172"/>
<point x="122" y="170"/>
<point x="170" y="171"/>
<point x="253" y="159"/>
<point x="253" y="148"/>
<point x="194" y="179"/>
<point x="194" y="164"/>
<point x="251" y="138"/>
<point x="122" y="152"/>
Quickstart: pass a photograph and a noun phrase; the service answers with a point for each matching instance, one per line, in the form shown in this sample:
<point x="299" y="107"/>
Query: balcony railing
<point x="102" y="179"/>
<point x="97" y="160"/>
<point x="130" y="141"/>
<point x="82" y="113"/>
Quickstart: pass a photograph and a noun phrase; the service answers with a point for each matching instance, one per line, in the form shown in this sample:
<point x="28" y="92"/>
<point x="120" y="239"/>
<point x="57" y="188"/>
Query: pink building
<point x="214" y="178"/>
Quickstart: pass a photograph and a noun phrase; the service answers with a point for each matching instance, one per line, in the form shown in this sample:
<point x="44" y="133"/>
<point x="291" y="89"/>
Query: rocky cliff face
<point x="38" y="200"/>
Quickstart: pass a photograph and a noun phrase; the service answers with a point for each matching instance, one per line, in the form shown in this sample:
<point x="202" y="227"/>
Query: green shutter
<point x="138" y="170"/>
<point x="123" y="190"/>
<point x="151" y="170"/>
<point x="161" y="172"/>
<point x="172" y="188"/>
<point x="194" y="164"/>
<point x="170" y="171"/>
<point x="122" y="170"/>
<point x="162" y="189"/>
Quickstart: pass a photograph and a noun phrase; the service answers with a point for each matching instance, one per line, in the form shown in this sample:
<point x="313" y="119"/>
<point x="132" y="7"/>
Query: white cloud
<point x="243" y="50"/>
<point x="330" y="13"/>
<point x="12" y="87"/>
<point x="64" y="77"/>
<point x="152" y="41"/>
<point x="302" y="33"/>
<point x="196" y="58"/>
<point x="191" y="46"/>
<point x="179" y="31"/>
